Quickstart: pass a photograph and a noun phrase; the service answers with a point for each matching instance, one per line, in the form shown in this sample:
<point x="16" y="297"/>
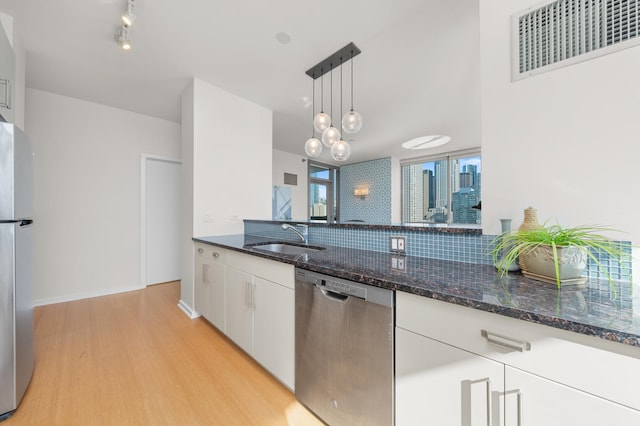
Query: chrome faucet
<point x="303" y="233"/>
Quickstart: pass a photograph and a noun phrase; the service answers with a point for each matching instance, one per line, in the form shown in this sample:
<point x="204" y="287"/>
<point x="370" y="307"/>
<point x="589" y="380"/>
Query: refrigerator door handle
<point x="22" y="222"/>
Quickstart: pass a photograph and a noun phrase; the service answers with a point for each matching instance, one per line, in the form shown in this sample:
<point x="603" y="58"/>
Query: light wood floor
<point x="136" y="359"/>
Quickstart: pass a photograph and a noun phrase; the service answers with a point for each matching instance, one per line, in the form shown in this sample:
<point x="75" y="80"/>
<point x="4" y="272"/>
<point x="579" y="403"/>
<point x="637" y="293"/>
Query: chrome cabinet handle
<point x="519" y="397"/>
<point x="6" y="103"/>
<point x="466" y="400"/>
<point x="519" y="402"/>
<point x="253" y="297"/>
<point x="216" y="254"/>
<point x="200" y="250"/>
<point x="505" y="342"/>
<point x="205" y="273"/>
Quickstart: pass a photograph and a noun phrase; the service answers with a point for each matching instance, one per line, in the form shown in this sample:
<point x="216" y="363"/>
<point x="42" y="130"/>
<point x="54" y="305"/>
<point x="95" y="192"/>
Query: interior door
<point x="161" y="218"/>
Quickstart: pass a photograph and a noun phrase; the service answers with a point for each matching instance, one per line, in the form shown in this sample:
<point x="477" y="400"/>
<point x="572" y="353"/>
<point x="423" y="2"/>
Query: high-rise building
<point x="412" y="207"/>
<point x="428" y="192"/>
<point x="441" y="184"/>
<point x="461" y="206"/>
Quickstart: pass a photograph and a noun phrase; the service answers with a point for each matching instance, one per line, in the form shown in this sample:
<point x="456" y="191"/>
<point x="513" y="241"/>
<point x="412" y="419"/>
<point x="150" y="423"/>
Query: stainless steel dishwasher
<point x="344" y="350"/>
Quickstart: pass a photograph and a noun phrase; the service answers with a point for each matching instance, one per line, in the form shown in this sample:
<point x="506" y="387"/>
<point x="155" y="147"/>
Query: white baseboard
<point x="79" y="296"/>
<point x="191" y="313"/>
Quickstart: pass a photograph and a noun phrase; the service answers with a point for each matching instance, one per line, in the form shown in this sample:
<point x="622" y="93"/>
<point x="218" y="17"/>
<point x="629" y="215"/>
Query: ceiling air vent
<point x="569" y="31"/>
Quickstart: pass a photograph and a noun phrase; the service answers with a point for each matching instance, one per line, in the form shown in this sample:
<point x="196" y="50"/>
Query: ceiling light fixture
<point x="313" y="147"/>
<point x="425" y="142"/>
<point x="123" y="38"/>
<point x="352" y="121"/>
<point x="129" y="14"/>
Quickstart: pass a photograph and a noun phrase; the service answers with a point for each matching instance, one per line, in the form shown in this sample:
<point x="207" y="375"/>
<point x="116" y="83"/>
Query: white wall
<point x="87" y="193"/>
<point x="565" y="142"/>
<point x="285" y="162"/>
<point x="229" y="140"/>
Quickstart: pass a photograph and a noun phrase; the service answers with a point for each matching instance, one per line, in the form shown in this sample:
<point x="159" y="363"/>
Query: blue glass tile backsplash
<point x="470" y="247"/>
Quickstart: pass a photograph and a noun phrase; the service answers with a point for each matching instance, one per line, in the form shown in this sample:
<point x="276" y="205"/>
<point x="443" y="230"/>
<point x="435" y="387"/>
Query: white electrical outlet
<point x="397" y="244"/>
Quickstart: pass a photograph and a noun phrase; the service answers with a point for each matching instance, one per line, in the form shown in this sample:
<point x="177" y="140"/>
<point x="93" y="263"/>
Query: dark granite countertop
<point x="590" y="310"/>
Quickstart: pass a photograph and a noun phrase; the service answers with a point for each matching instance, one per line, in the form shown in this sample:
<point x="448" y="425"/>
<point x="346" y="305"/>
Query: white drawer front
<point x="271" y="270"/>
<point x="606" y="369"/>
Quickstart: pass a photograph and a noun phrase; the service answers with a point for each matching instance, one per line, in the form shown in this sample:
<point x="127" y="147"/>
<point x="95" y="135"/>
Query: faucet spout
<point x="303" y="233"/>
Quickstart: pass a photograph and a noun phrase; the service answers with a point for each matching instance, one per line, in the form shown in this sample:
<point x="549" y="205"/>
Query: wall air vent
<point x="569" y="31"/>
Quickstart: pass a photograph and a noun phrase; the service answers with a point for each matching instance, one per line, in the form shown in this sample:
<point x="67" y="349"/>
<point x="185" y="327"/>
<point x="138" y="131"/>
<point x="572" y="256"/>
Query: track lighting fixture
<point x="127" y="17"/>
<point x="129" y="14"/>
<point x="351" y="122"/>
<point x="123" y="38"/>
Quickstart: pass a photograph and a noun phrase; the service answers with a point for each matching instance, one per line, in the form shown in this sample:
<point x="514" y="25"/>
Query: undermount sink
<point x="286" y="248"/>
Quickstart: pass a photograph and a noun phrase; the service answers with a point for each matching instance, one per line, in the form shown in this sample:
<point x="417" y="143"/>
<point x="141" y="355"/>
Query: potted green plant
<point x="556" y="254"/>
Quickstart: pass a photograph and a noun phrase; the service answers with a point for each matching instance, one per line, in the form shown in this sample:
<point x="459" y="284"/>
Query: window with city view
<point x="442" y="189"/>
<point x="323" y="191"/>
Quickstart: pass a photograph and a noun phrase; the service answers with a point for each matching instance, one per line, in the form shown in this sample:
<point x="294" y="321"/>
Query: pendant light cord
<point x="352" y="80"/>
<point x="313" y="105"/>
<point x="341" y="87"/>
<point x="331" y="113"/>
<point x="321" y="92"/>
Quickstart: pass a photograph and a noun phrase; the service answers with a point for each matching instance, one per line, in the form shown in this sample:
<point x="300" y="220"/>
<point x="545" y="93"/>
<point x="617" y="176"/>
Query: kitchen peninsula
<point x="459" y="324"/>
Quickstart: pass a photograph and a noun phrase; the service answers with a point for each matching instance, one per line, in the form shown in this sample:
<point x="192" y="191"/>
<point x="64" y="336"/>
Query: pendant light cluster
<point x="128" y="17"/>
<point x="322" y="122"/>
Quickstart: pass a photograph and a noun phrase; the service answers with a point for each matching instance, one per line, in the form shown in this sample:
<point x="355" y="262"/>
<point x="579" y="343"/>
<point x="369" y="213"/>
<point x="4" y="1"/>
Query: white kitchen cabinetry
<point x="209" y="283"/>
<point x="274" y="328"/>
<point x="7" y="77"/>
<point x="239" y="308"/>
<point x="251" y="300"/>
<point x="551" y="376"/>
<point x="438" y="384"/>
<point x="261" y="313"/>
<point x="545" y="402"/>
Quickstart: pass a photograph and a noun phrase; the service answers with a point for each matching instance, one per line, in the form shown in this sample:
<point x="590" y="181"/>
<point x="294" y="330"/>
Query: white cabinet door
<point x="216" y="282"/>
<point x="239" y="309"/>
<point x="201" y="275"/>
<point x="438" y="384"/>
<point x="274" y="329"/>
<point x="544" y="402"/>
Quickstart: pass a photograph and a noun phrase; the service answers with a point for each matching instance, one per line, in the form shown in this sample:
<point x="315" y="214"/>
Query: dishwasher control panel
<point x="348" y="288"/>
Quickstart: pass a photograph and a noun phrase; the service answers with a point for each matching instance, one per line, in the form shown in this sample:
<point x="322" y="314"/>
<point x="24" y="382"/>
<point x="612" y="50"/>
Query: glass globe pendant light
<point x="331" y="135"/>
<point x="341" y="150"/>
<point x="322" y="121"/>
<point x="352" y="121"/>
<point x="313" y="147"/>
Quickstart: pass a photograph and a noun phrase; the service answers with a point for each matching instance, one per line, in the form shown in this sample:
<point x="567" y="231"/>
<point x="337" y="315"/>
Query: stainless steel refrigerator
<point x="17" y="356"/>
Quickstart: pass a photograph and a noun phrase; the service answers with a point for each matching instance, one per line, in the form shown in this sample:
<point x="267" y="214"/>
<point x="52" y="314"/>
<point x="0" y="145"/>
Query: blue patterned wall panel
<point x="374" y="208"/>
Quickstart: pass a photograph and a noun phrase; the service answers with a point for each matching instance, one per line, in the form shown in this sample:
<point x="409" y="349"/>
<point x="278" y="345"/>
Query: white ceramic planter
<point x="538" y="264"/>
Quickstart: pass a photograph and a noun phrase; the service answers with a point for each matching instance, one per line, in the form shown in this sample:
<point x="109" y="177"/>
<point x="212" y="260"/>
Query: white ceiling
<point x="418" y="73"/>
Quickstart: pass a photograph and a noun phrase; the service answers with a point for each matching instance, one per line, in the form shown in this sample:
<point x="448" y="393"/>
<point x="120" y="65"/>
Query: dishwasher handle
<point x="333" y="295"/>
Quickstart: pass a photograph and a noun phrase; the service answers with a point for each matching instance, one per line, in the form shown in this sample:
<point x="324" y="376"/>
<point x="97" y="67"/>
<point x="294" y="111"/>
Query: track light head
<point x="129" y="14"/>
<point x="123" y="38"/>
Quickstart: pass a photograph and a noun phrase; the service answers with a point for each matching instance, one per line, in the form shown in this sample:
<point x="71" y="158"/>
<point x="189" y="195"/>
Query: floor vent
<point x="569" y="31"/>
